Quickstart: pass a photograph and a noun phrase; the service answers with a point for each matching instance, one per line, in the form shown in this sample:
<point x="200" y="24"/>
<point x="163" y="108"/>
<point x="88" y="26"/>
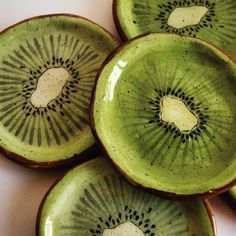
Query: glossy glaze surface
<point x="16" y="180"/>
<point x="127" y="114"/>
<point x="99" y="202"/>
<point x="35" y="125"/>
<point x="210" y="20"/>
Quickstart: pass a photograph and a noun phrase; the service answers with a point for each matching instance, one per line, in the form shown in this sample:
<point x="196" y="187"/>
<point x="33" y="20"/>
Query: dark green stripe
<point x="65" y="45"/>
<point x="74" y="121"/>
<point x="45" y="47"/>
<point x="52" y="45"/>
<point x="64" y="121"/>
<point x="61" y="132"/>
<point x="38" y="48"/>
<point x="32" y="66"/>
<point x="54" y="131"/>
<point x="84" y="109"/>
<point x="39" y="133"/>
<point x="25" y="129"/>
<point x="74" y="50"/>
<point x="32" y="50"/>
<point x="58" y="46"/>
<point x="32" y="130"/>
<point x="46" y="129"/>
<point x="19" y="128"/>
<point x="13" y="117"/>
<point x="11" y="107"/>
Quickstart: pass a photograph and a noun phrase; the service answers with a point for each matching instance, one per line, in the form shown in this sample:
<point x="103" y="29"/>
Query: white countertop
<point x="22" y="189"/>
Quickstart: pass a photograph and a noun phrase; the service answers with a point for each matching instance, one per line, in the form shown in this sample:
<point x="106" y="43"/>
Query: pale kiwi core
<point x="49" y="86"/>
<point x="173" y="110"/>
<point x="186" y="16"/>
<point x="124" y="229"/>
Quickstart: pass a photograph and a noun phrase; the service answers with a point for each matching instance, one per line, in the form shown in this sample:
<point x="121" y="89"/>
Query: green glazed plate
<point x="48" y="65"/>
<point x="165" y="114"/>
<point x="210" y="20"/>
<point x="92" y="200"/>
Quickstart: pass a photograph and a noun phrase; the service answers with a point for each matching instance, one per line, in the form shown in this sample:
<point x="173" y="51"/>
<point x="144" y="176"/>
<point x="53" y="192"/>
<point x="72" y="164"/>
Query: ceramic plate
<point x="48" y="65"/>
<point x="93" y="200"/>
<point x="165" y="115"/>
<point x="210" y="20"/>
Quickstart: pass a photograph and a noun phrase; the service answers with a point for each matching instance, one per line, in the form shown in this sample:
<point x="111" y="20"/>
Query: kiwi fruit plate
<point x="209" y="20"/>
<point x="46" y="82"/>
<point x="165" y="115"/>
<point x="100" y="203"/>
<point x="160" y="110"/>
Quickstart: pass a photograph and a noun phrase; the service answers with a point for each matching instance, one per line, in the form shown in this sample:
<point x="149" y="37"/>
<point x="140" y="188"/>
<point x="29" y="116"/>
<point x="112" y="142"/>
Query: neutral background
<point x="22" y="189"/>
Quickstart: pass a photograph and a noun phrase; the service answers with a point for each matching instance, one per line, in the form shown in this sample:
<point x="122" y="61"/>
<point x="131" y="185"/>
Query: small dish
<point x="93" y="200"/>
<point x="209" y="20"/>
<point x="48" y="66"/>
<point x="165" y="115"/>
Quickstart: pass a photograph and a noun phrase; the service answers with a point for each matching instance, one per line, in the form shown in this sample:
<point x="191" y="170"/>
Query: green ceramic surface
<point x="49" y="123"/>
<point x="192" y="149"/>
<point x="210" y="20"/>
<point x="92" y="200"/>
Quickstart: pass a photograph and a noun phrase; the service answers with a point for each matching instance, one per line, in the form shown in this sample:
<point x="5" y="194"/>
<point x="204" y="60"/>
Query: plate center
<point x="49" y="86"/>
<point x="186" y="16"/>
<point x="173" y="110"/>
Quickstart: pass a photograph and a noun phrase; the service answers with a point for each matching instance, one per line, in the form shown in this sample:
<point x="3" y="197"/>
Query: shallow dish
<point x="93" y="200"/>
<point x="48" y="65"/>
<point x="165" y="114"/>
<point x="210" y="20"/>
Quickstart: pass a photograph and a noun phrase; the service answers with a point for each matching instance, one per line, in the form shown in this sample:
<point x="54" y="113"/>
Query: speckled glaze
<point x="136" y="17"/>
<point x="151" y="156"/>
<point x="57" y="133"/>
<point x="98" y="201"/>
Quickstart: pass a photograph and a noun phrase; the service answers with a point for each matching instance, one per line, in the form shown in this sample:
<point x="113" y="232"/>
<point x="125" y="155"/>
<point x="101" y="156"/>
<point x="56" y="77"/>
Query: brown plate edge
<point x="87" y="154"/>
<point x="117" y="21"/>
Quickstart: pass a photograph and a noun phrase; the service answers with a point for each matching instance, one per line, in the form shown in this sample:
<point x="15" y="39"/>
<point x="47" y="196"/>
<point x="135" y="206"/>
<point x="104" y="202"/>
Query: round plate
<point x="93" y="200"/>
<point x="48" y="65"/>
<point x="210" y="20"/>
<point x="165" y="115"/>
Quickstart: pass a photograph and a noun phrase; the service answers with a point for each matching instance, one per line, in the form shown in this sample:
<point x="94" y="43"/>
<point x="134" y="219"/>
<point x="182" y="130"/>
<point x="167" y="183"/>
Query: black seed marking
<point x="170" y="128"/>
